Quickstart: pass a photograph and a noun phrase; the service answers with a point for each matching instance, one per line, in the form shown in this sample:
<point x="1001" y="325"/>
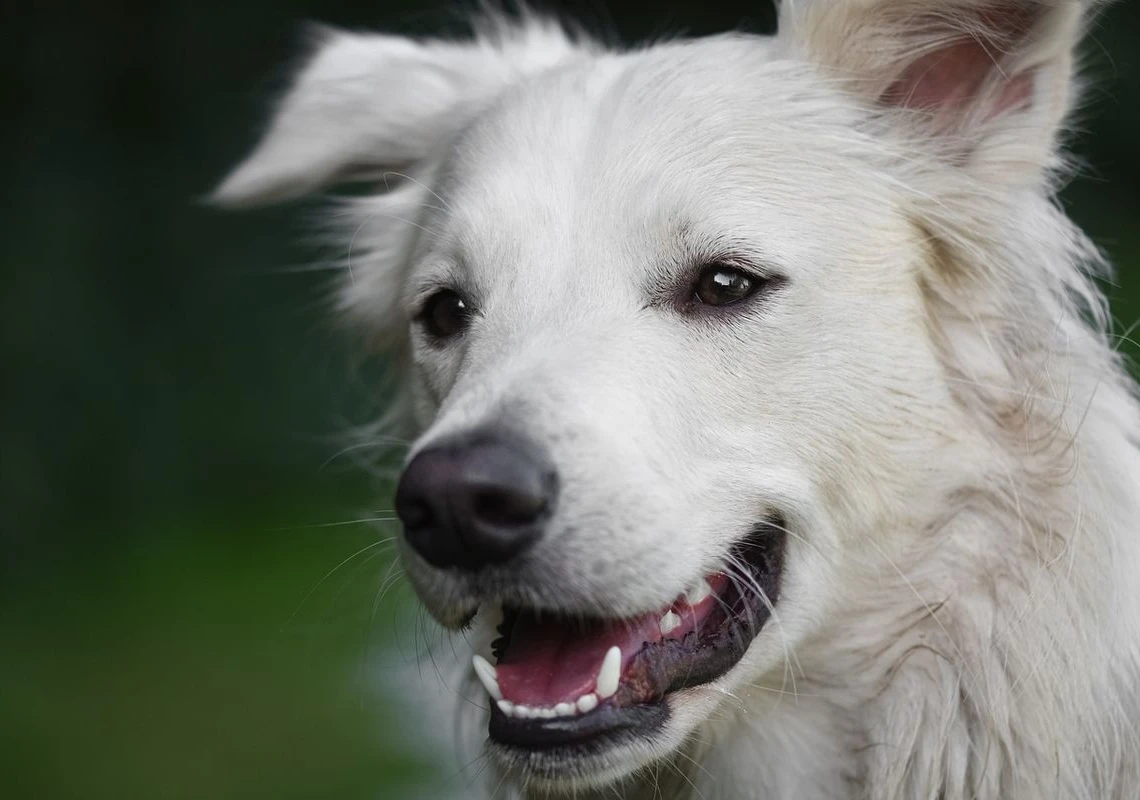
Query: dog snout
<point x="477" y="500"/>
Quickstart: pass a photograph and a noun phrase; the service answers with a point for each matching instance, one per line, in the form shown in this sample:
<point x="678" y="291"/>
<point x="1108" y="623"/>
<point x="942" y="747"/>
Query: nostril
<point x="415" y="514"/>
<point x="505" y="507"/>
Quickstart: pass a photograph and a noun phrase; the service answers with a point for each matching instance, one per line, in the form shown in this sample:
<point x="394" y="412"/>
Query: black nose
<point x="479" y="500"/>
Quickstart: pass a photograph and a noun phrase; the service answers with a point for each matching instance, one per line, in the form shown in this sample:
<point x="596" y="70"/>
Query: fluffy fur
<point x="930" y="399"/>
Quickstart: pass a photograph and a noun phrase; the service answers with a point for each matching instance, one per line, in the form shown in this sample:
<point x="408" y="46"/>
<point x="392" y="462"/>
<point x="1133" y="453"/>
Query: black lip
<point x="600" y="728"/>
<point x="628" y="715"/>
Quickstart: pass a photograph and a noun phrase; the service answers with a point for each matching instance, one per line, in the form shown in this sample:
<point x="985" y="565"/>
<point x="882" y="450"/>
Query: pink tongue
<point x="550" y="661"/>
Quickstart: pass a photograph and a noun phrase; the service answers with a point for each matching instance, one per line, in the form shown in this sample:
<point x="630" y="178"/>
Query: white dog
<point x="763" y="397"/>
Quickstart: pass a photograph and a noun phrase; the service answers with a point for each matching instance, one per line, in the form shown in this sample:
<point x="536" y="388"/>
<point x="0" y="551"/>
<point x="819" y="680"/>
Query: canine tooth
<point x="587" y="702"/>
<point x="608" y="675"/>
<point x="564" y="709"/>
<point x="669" y="623"/>
<point x="487" y="676"/>
<point x="698" y="592"/>
<point x="507" y="707"/>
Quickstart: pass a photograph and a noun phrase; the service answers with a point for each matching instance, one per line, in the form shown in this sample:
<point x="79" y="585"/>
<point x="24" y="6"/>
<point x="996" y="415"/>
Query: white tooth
<point x="522" y="712"/>
<point x="587" y="702"/>
<point x="564" y="709"/>
<point x="698" y="592"/>
<point x="608" y="675"/>
<point x="669" y="623"/>
<point x="548" y="713"/>
<point x="507" y="707"/>
<point x="487" y="676"/>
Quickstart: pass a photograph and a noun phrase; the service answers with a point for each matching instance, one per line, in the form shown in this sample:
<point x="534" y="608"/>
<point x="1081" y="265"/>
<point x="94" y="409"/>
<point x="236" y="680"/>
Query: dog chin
<point x="584" y="701"/>
<point x="610" y="758"/>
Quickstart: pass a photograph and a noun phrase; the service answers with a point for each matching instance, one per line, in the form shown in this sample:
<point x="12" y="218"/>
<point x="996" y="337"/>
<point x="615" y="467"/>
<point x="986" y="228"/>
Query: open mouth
<point x="578" y="684"/>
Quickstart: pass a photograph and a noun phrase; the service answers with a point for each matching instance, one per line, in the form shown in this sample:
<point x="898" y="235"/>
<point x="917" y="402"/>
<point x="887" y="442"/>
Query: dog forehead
<point x="619" y="153"/>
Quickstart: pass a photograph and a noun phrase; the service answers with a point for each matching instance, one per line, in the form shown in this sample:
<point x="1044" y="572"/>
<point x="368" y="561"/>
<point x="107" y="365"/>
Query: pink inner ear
<point x="950" y="80"/>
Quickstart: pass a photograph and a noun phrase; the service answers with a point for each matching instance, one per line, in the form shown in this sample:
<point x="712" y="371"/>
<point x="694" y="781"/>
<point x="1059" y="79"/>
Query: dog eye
<point x="445" y="314"/>
<point x="722" y="285"/>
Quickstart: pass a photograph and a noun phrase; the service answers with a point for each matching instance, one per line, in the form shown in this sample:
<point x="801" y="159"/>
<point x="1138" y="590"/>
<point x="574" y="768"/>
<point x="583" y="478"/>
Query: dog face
<point x="666" y="318"/>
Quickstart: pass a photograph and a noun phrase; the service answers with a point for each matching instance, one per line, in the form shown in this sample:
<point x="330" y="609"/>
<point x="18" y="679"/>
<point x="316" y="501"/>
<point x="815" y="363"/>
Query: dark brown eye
<point x="445" y="314"/>
<point x="722" y="285"/>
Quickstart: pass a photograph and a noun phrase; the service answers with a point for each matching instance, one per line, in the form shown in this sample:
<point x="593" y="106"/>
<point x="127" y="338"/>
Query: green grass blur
<point x="188" y="607"/>
<point x="192" y="667"/>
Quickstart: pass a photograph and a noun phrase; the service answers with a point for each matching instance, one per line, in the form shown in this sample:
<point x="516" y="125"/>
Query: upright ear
<point x="365" y="103"/>
<point x="984" y="82"/>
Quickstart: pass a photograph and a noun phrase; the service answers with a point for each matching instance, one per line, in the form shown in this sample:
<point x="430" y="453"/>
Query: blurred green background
<point x="191" y="571"/>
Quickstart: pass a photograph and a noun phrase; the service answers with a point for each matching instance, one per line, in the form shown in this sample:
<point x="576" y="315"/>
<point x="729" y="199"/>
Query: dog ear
<point x="366" y="103"/>
<point x="986" y="82"/>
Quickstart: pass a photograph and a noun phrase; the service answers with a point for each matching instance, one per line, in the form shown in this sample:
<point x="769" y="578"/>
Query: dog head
<point x="670" y="326"/>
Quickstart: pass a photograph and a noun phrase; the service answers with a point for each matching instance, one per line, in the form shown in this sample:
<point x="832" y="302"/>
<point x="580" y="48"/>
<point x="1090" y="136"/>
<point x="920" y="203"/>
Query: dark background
<point x="188" y="605"/>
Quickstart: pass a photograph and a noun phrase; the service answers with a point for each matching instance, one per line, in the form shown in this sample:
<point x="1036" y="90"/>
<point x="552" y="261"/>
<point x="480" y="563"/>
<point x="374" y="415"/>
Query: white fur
<point x="931" y="400"/>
